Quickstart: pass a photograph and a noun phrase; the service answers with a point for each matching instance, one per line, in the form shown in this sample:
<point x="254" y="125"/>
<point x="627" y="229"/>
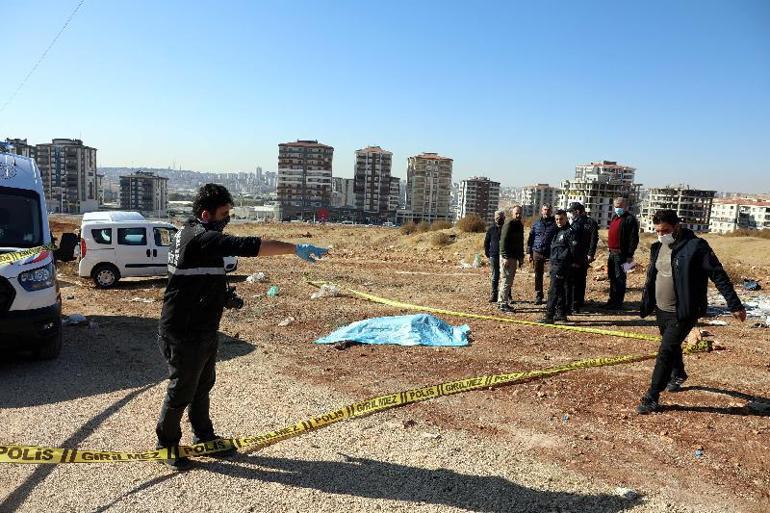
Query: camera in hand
<point x="232" y="300"/>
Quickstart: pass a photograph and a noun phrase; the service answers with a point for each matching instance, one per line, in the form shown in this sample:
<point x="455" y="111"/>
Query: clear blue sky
<point x="518" y="91"/>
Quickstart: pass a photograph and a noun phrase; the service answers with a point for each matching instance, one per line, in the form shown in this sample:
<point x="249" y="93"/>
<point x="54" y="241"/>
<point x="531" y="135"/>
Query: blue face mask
<point x="619" y="211"/>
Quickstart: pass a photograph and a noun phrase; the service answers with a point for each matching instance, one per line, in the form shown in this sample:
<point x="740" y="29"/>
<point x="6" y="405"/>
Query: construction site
<point x="569" y="442"/>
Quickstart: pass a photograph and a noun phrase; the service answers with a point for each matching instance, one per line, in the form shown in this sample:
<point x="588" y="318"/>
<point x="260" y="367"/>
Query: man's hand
<point x="310" y="253"/>
<point x="740" y="315"/>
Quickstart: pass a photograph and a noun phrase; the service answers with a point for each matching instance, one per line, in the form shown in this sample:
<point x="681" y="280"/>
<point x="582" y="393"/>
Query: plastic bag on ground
<point x="256" y="277"/>
<point x="326" y="290"/>
<point x="403" y="330"/>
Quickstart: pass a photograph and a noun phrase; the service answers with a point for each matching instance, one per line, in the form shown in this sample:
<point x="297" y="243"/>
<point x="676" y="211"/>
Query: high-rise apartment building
<point x="68" y="169"/>
<point x="429" y="187"/>
<point x="532" y="197"/>
<point x="478" y="195"/>
<point x="304" y="184"/>
<point x="730" y="214"/>
<point x="596" y="185"/>
<point x="145" y="192"/>
<point x="342" y="192"/>
<point x="394" y="198"/>
<point x="19" y="147"/>
<point x="693" y="206"/>
<point x="372" y="181"/>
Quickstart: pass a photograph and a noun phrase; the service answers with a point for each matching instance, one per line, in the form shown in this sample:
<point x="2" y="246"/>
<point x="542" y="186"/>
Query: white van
<point x="30" y="302"/>
<point x="115" y="245"/>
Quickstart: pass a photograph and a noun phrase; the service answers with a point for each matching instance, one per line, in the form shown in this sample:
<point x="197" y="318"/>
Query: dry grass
<point x="744" y="232"/>
<point x="441" y="239"/>
<point x="440" y="225"/>
<point x="472" y="224"/>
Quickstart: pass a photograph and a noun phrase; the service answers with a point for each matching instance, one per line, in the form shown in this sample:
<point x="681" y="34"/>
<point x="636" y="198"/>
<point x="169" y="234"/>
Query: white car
<point x="30" y="302"/>
<point x="115" y="245"/>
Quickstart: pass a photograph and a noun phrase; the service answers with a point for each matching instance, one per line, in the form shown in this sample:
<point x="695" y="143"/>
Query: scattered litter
<point x="629" y="267"/>
<point x="698" y="453"/>
<point x="273" y="291"/>
<point x="476" y="264"/>
<point x="716" y="323"/>
<point x="141" y="300"/>
<point x="70" y="297"/>
<point x="465" y="265"/>
<point x="326" y="290"/>
<point x="750" y="284"/>
<point x="430" y="436"/>
<point x="403" y="330"/>
<point x="600" y="277"/>
<point x="75" y="319"/>
<point x="256" y="278"/>
<point x="760" y="325"/>
<point x="287" y="321"/>
<point x="565" y="419"/>
<point x="627" y="493"/>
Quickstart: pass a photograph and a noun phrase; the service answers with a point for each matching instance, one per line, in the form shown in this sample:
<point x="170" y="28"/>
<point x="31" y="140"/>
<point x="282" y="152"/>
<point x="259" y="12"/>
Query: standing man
<point x="539" y="247"/>
<point x="586" y="234"/>
<point x="492" y="251"/>
<point x="562" y="265"/>
<point x="195" y="297"/>
<point x="511" y="256"/>
<point x="677" y="279"/>
<point x="622" y="240"/>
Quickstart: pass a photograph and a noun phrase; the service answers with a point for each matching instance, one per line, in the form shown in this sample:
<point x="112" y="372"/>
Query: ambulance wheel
<point x="105" y="276"/>
<point x="51" y="347"/>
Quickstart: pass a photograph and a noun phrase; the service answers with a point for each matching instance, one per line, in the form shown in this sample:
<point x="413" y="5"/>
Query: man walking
<point x="492" y="251"/>
<point x="622" y="240"/>
<point x="677" y="280"/>
<point x="562" y="263"/>
<point x="539" y="247"/>
<point x="193" y="303"/>
<point x="586" y="234"/>
<point x="511" y="256"/>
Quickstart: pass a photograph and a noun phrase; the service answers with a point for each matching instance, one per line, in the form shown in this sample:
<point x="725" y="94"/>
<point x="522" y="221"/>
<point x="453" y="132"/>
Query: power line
<point x="35" y="66"/>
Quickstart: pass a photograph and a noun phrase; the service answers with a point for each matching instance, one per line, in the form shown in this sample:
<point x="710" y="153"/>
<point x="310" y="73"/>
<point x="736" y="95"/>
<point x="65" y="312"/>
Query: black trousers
<point x="617" y="279"/>
<point x="579" y="275"/>
<point x="669" y="362"/>
<point x="539" y="260"/>
<point x="494" y="263"/>
<point x="191" y="373"/>
<point x="558" y="293"/>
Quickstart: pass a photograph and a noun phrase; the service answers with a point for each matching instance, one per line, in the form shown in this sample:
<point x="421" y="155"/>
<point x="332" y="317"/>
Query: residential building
<point x="68" y="170"/>
<point x="478" y="195"/>
<point x="145" y="192"/>
<point x="19" y="147"/>
<point x="596" y="185"/>
<point x="693" y="206"/>
<point x="532" y="197"/>
<point x="343" y="194"/>
<point x="371" y="181"/>
<point x="304" y="184"/>
<point x="429" y="187"/>
<point x="394" y="198"/>
<point x="259" y="214"/>
<point x="728" y="215"/>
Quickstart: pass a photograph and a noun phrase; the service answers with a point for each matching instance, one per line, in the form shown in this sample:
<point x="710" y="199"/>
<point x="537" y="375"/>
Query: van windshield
<point x="20" y="222"/>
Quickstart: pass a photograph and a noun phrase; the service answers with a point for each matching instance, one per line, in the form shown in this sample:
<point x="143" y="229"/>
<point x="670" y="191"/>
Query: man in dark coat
<point x="492" y="251"/>
<point x="677" y="280"/>
<point x="511" y="256"/>
<point x="586" y="233"/>
<point x="562" y="264"/>
<point x="539" y="247"/>
<point x="622" y="240"/>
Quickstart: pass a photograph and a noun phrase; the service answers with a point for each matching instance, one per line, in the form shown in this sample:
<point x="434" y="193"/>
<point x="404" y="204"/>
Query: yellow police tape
<point x="36" y="455"/>
<point x="566" y="327"/>
<point x="7" y="258"/>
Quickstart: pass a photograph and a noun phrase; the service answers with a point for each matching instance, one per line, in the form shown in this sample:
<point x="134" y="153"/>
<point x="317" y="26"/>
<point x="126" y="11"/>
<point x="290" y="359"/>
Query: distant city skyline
<point x="519" y="92"/>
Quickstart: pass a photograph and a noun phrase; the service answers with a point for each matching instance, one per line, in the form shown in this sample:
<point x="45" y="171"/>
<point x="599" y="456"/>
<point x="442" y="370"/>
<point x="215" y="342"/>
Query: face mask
<point x="619" y="211"/>
<point x="666" y="239"/>
<point x="218" y="226"/>
<point x="570" y="216"/>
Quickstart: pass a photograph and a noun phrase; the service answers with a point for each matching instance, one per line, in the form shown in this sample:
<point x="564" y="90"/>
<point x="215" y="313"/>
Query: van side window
<point x="163" y="236"/>
<point x="102" y="235"/>
<point x="132" y="236"/>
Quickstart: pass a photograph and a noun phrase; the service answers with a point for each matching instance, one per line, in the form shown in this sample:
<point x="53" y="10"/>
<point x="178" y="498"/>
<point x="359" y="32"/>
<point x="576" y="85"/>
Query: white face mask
<point x="570" y="216"/>
<point x="666" y="239"/>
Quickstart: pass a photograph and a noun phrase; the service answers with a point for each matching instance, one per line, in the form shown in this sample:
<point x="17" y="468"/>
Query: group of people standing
<point x="567" y="241"/>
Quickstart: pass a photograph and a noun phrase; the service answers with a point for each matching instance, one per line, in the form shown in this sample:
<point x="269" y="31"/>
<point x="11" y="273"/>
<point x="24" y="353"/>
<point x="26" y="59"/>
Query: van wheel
<point x="105" y="275"/>
<point x="51" y="347"/>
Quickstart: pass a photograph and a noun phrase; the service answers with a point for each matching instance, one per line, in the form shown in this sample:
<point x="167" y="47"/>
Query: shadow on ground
<point x="120" y="353"/>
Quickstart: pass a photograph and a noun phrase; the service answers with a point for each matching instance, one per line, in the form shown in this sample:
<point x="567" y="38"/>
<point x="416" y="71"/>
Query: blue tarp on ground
<point x="403" y="330"/>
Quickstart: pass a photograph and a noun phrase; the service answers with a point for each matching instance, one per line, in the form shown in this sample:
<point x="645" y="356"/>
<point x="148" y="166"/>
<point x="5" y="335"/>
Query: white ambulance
<point x="115" y="245"/>
<point x="30" y="302"/>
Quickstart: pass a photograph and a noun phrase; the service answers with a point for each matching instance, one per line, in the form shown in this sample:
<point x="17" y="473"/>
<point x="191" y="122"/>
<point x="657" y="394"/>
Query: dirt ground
<point x="582" y="421"/>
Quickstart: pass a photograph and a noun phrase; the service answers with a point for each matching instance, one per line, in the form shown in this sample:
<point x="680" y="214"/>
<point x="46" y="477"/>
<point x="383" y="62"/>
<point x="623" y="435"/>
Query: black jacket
<point x="540" y="236"/>
<point x="492" y="241"/>
<point x="562" y="251"/>
<point x="586" y="233"/>
<point x="512" y="240"/>
<point x="196" y="290"/>
<point x="693" y="262"/>
<point x="629" y="234"/>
